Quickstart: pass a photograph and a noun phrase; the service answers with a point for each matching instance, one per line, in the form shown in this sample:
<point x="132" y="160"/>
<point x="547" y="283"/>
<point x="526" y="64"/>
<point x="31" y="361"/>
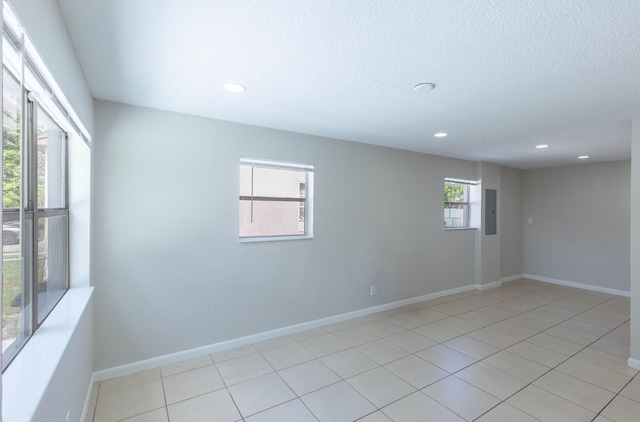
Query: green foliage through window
<point x="454" y="192"/>
<point x="11" y="121"/>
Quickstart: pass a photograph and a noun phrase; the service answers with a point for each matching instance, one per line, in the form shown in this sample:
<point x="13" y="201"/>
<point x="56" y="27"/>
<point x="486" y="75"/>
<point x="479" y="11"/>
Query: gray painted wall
<point x="511" y="222"/>
<point x="488" y="246"/>
<point x="580" y="230"/>
<point x="170" y="274"/>
<point x="635" y="241"/>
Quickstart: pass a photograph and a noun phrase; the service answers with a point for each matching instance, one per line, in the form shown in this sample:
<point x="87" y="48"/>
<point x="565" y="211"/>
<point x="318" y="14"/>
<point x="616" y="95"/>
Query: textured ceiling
<point x="509" y="74"/>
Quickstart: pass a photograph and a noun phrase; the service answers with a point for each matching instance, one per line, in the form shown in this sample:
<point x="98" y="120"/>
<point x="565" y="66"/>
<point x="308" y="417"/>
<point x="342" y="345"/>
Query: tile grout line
<point x="614" y="397"/>
<point x="226" y="387"/>
<point x="285" y="381"/>
<point x="550" y="369"/>
<point x="406" y="329"/>
<point x="453" y="373"/>
<point x="164" y="394"/>
<point x="479" y="360"/>
<point x="556" y="366"/>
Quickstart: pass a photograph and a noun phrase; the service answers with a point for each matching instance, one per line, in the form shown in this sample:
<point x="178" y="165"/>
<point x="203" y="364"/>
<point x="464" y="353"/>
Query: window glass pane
<point x="455" y="192"/>
<point x="270" y="218"/>
<point x="51" y="163"/>
<point x="16" y="314"/>
<point x="34" y="175"/>
<point x="11" y="104"/>
<point x="270" y="182"/>
<point x="456" y="204"/>
<point x="51" y="281"/>
<point x="455" y="215"/>
<point x="274" y="200"/>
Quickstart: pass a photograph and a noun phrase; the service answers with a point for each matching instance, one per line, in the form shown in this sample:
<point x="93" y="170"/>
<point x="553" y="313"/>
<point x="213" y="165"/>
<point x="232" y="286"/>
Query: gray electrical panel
<point x="490" y="217"/>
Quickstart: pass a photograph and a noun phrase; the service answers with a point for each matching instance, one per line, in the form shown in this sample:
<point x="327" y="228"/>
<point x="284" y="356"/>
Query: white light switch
<point x="530" y="220"/>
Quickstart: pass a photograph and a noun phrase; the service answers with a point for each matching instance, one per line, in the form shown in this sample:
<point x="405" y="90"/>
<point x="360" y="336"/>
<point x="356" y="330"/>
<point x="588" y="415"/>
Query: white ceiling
<point x="509" y="74"/>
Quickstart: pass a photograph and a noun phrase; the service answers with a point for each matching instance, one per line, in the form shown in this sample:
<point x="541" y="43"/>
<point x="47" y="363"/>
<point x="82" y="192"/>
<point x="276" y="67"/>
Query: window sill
<point x="26" y="379"/>
<point x="455" y="229"/>
<point x="272" y="238"/>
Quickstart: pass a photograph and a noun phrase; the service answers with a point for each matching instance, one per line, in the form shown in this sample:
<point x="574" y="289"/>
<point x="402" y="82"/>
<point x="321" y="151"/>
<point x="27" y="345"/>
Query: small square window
<point x="275" y="200"/>
<point x="456" y="203"/>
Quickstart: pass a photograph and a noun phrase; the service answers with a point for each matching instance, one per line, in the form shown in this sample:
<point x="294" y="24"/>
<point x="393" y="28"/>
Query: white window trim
<point x="309" y="198"/>
<point x="470" y="183"/>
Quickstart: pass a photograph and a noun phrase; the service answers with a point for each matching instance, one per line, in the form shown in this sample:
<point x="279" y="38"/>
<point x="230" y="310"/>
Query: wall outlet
<point x="373" y="290"/>
<point x="530" y="220"/>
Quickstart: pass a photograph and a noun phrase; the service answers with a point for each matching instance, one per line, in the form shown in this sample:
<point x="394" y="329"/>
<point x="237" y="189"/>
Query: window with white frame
<point x="36" y="120"/>
<point x="276" y="200"/>
<point x="456" y="202"/>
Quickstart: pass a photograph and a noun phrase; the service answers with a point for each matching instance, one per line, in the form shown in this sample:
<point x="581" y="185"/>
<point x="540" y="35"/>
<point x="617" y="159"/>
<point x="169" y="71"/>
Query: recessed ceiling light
<point x="440" y="134"/>
<point x="234" y="87"/>
<point x="424" y="87"/>
<point x="583" y="157"/>
<point x="542" y="146"/>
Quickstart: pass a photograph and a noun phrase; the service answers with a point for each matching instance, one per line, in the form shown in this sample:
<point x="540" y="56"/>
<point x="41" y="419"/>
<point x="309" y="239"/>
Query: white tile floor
<point x="527" y="351"/>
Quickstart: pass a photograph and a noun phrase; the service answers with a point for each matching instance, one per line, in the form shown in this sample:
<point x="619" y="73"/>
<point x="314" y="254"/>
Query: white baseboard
<point x="579" y="285"/>
<point x="87" y="400"/>
<point x="488" y="285"/>
<point x="512" y="278"/>
<point x="633" y="363"/>
<point x="130" y="368"/>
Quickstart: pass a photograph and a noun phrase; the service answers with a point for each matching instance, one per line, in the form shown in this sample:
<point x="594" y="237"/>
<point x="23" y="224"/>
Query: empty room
<point x="320" y="211"/>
